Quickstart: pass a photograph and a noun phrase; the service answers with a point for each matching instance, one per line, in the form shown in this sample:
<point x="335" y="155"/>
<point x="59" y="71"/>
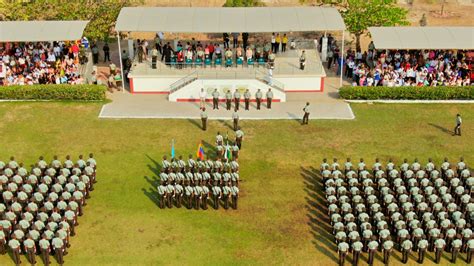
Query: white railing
<point x="183" y="82"/>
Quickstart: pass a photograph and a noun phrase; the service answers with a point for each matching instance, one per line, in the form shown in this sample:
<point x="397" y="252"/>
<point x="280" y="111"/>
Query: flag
<point x="228" y="152"/>
<point x="172" y="149"/>
<point x="200" y="151"/>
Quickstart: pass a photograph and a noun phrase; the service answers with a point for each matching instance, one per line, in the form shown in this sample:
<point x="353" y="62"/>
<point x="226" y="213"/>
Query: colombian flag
<point x="200" y="151"/>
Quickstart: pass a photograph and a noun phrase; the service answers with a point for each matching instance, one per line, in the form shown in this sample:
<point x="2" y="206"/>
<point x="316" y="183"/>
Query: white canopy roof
<point x="423" y="37"/>
<point x="228" y="19"/>
<point x="37" y="31"/>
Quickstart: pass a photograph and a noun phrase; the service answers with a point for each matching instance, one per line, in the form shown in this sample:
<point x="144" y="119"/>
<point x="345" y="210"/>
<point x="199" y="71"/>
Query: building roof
<point x="423" y="37"/>
<point x="36" y="31"/>
<point x="228" y="19"/>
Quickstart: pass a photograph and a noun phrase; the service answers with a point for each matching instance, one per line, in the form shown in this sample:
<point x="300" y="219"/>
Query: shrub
<point x="63" y="92"/>
<point x="407" y="93"/>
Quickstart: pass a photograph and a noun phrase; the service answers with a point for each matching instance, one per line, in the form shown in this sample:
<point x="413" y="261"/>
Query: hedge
<point x="407" y="93"/>
<point x="61" y="92"/>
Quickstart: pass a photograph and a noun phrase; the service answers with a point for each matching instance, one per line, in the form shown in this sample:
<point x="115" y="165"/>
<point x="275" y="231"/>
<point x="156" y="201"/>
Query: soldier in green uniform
<point x="204" y="119"/>
<point x="216" y="194"/>
<point x="406" y="246"/>
<point x="239" y="136"/>
<point x="3" y="240"/>
<point x="189" y="193"/>
<point x="227" y="193"/>
<point x="422" y="245"/>
<point x="30" y="250"/>
<point x="178" y="188"/>
<point x="469" y="250"/>
<point x="356" y="249"/>
<point x="169" y="195"/>
<point x="387" y="247"/>
<point x="342" y="249"/>
<point x="258" y="98"/>
<point x="45" y="248"/>
<point x="14" y="245"/>
<point x="205" y="194"/>
<point x="197" y="195"/>
<point x="235" y="195"/>
<point x="247" y="99"/>
<point x="235" y="118"/>
<point x="215" y="100"/>
<point x="162" y="194"/>
<point x="306" y="114"/>
<point x="439" y="244"/>
<point x="372" y="246"/>
<point x="228" y="99"/>
<point x="236" y="100"/>
<point x="58" y="247"/>
<point x="269" y="98"/>
<point x="455" y="247"/>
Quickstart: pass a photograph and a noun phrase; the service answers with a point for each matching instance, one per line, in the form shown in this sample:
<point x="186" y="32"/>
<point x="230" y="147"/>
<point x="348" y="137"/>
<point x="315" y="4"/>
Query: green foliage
<point x="63" y="92"/>
<point x="242" y="3"/>
<point x="102" y="14"/>
<point x="362" y="14"/>
<point x="407" y="93"/>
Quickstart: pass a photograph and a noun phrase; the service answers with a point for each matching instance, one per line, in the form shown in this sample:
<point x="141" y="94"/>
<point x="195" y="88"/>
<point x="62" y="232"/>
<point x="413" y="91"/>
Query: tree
<point x="361" y="14"/>
<point x="102" y="14"/>
<point x="242" y="3"/>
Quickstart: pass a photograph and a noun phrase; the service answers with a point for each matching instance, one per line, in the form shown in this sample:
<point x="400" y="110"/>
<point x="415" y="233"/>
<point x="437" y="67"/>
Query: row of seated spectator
<point x="409" y="67"/>
<point x="41" y="63"/>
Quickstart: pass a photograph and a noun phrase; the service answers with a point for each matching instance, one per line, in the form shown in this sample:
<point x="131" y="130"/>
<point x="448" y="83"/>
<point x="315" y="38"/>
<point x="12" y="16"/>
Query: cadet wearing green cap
<point x="235" y="118"/>
<point x="235" y="195"/>
<point x="30" y="250"/>
<point x="269" y="98"/>
<point x="204" y="119"/>
<point x="45" y="248"/>
<point x="342" y="249"/>
<point x="14" y="245"/>
<point x="58" y="247"/>
<point x="237" y="100"/>
<point x="247" y="99"/>
<point x="162" y="194"/>
<point x="228" y="99"/>
<point x="215" y="99"/>
<point x="258" y="98"/>
<point x="227" y="193"/>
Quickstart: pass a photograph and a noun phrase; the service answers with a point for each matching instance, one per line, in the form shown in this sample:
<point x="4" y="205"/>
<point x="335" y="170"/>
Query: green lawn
<point x="280" y="216"/>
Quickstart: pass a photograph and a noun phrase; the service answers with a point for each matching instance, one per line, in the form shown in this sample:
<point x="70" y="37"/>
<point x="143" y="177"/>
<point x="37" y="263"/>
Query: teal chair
<point x="250" y="62"/>
<point x="218" y="62"/>
<point x="198" y="62"/>
<point x="229" y="62"/>
<point x="207" y="62"/>
<point x="173" y="61"/>
<point x="261" y="61"/>
<point x="189" y="62"/>
<point x="240" y="62"/>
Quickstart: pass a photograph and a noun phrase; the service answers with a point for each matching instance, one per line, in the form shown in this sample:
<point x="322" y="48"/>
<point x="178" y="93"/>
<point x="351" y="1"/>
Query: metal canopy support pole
<point x="341" y="59"/>
<point x="121" y="65"/>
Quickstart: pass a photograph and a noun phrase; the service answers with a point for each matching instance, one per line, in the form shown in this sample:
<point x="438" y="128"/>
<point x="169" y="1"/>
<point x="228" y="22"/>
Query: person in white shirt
<point x="202" y="97"/>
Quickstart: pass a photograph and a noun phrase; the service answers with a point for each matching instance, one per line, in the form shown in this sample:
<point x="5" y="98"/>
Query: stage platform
<point x="323" y="106"/>
<point x="286" y="77"/>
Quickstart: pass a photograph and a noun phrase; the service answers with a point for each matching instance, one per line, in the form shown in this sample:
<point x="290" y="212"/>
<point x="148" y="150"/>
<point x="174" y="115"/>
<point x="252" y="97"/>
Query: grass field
<point x="280" y="218"/>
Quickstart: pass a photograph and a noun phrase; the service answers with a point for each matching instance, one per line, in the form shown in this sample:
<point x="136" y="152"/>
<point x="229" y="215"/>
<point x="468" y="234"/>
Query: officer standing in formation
<point x="258" y="98"/>
<point x="306" y="114"/>
<point x="247" y="99"/>
<point x="239" y="136"/>
<point x="457" y="129"/>
<point x="228" y="99"/>
<point x="204" y="119"/>
<point x="269" y="98"/>
<point x="302" y="60"/>
<point x="235" y="118"/>
<point x="236" y="100"/>
<point x="215" y="100"/>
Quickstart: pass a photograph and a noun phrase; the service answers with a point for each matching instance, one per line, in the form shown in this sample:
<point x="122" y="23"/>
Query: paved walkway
<point x="324" y="105"/>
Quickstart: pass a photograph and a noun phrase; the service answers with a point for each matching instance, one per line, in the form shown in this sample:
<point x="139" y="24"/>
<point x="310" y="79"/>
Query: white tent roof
<point x="423" y="37"/>
<point x="37" y="31"/>
<point x="228" y="19"/>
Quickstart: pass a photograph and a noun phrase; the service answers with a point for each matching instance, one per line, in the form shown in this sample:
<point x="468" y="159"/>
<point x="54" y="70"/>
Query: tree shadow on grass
<point x="317" y="213"/>
<point x="443" y="129"/>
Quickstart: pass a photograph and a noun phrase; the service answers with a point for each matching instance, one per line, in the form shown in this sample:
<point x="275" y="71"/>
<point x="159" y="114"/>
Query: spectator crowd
<point x="41" y="63"/>
<point x="394" y="68"/>
<point x="195" y="182"/>
<point x="39" y="208"/>
<point x="411" y="208"/>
